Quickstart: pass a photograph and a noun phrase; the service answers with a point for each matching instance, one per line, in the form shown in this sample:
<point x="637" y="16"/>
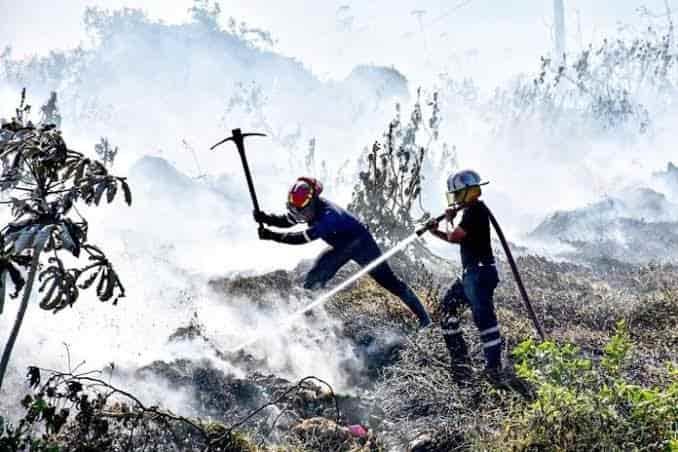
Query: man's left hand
<point x="266" y="234"/>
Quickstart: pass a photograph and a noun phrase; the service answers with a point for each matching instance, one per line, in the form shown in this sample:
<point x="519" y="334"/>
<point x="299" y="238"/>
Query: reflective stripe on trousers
<point x="475" y="289"/>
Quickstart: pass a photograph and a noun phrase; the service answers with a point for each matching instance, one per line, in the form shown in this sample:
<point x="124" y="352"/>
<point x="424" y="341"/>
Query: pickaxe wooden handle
<point x="239" y="139"/>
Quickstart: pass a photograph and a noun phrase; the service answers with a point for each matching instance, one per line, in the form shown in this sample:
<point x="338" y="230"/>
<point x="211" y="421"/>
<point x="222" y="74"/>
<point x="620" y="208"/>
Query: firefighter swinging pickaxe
<point x="239" y="139"/>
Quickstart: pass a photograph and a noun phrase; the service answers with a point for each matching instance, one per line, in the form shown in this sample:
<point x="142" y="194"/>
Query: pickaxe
<point x="239" y="139"/>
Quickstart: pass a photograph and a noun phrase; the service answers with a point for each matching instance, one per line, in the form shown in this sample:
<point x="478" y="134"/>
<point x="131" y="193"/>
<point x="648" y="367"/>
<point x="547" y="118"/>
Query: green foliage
<point x="22" y="438"/>
<point x="585" y="403"/>
<point x="617" y="349"/>
<point x="43" y="180"/>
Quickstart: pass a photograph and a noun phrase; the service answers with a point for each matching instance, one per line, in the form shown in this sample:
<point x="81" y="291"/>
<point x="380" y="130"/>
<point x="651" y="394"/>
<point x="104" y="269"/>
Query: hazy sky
<point x="332" y="36"/>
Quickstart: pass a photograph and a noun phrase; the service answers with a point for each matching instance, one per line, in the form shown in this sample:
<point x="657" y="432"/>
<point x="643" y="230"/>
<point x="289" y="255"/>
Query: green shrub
<point x="589" y="403"/>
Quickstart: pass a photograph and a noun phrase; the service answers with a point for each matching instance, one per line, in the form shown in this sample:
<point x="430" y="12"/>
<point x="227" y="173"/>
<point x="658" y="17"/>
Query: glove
<point x="259" y="216"/>
<point x="266" y="234"/>
<point x="432" y="224"/>
<point x="450" y="214"/>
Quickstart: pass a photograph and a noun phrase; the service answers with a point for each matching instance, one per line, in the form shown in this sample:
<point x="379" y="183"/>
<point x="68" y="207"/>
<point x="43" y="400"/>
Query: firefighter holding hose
<point x="479" y="279"/>
<point x="349" y="239"/>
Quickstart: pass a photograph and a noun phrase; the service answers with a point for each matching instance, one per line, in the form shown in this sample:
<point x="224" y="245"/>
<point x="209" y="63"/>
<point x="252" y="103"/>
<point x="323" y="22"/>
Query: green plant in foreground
<point x="586" y="403"/>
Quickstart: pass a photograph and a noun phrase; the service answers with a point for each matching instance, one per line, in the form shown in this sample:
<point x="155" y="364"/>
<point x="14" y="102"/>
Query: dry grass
<point x="409" y="395"/>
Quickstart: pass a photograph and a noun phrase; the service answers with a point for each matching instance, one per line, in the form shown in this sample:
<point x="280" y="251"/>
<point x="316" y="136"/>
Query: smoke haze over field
<point x="332" y="37"/>
<point x="166" y="85"/>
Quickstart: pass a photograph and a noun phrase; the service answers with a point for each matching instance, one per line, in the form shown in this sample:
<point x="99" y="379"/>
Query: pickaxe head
<point x="238" y="138"/>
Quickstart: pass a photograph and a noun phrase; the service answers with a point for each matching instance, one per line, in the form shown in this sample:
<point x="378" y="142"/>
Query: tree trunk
<point x="559" y="29"/>
<point x="20" y="316"/>
<point x="2" y="291"/>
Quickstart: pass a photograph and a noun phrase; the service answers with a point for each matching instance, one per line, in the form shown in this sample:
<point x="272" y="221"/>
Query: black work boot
<point x="460" y="366"/>
<point x="454" y="339"/>
<point x="461" y="372"/>
<point x="412" y="301"/>
<point x="513" y="382"/>
<point x="493" y="375"/>
<point x="497" y="378"/>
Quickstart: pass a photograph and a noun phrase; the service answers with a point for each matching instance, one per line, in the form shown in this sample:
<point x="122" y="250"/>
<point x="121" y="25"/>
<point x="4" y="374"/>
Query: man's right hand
<point x="450" y="214"/>
<point x="260" y="216"/>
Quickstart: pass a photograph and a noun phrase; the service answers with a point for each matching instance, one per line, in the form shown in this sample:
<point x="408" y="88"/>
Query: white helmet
<point x="463" y="179"/>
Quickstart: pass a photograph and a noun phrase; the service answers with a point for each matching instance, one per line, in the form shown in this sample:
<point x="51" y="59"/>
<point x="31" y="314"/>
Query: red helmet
<point x="302" y="196"/>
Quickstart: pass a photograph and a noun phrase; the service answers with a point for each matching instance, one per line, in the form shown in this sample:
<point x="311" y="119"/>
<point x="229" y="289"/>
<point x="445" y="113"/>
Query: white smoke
<point x="164" y="93"/>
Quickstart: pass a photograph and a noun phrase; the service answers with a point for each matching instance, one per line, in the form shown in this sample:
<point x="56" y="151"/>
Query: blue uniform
<point x="336" y="226"/>
<point x="349" y="239"/>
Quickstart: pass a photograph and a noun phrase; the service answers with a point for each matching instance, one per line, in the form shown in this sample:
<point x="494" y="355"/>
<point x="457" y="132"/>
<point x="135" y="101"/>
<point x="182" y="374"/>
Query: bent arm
<point x="292" y="238"/>
<point x="440" y="234"/>
<point x="279" y="221"/>
<point x="319" y="230"/>
<point x="456" y="236"/>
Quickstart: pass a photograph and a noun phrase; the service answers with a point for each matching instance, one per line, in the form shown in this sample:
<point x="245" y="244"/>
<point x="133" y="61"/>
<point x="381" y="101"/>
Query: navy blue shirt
<point x="336" y="226"/>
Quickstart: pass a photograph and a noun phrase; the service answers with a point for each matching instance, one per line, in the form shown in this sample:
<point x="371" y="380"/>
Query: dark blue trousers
<point x="364" y="250"/>
<point x="475" y="289"/>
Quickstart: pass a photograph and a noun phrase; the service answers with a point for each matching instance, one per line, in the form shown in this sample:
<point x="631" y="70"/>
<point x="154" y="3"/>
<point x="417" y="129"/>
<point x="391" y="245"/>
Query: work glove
<point x="450" y="214"/>
<point x="266" y="234"/>
<point x="432" y="224"/>
<point x="260" y="216"/>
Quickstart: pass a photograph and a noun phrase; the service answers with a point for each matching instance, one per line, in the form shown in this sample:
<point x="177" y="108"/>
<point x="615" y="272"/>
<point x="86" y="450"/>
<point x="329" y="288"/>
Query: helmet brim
<point x="469" y="186"/>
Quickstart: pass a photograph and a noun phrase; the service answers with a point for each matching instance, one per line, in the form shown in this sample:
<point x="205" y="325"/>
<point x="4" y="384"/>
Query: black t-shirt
<point x="476" y="247"/>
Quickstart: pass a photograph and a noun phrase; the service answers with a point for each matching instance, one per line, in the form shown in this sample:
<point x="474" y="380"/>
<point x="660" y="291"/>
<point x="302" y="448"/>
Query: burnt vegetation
<point x="605" y="380"/>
